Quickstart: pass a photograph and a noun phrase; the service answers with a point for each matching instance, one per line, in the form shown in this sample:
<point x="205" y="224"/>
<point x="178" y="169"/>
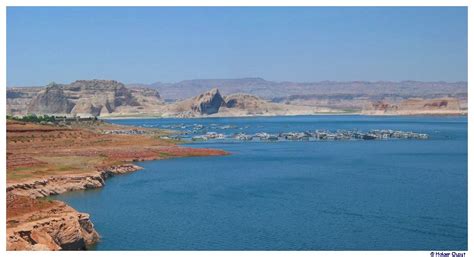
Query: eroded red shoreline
<point x="45" y="160"/>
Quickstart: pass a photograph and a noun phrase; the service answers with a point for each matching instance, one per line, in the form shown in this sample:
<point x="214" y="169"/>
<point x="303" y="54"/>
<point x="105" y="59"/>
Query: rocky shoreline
<point x="61" y="184"/>
<point x="60" y="227"/>
<point x="50" y="159"/>
<point x="56" y="227"/>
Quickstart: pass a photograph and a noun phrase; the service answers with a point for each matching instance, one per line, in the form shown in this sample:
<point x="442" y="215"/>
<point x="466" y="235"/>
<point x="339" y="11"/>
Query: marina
<point x="212" y="131"/>
<point x="292" y="183"/>
<point x="317" y="135"/>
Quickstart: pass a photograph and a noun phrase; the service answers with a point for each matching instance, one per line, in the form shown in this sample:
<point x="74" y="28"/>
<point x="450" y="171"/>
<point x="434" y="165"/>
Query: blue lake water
<point x="333" y="195"/>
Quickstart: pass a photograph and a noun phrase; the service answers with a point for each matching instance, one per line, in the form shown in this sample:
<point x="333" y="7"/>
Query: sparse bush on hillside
<point x="33" y="118"/>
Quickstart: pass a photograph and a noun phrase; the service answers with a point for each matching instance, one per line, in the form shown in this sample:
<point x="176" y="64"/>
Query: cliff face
<point x="208" y="102"/>
<point x="83" y="98"/>
<point x="18" y="99"/>
<point x="99" y="96"/>
<point x="51" y="100"/>
<point x="34" y="224"/>
<point x="61" y="184"/>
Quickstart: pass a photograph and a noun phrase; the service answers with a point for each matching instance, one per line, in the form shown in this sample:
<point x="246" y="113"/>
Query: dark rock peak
<point x="208" y="102"/>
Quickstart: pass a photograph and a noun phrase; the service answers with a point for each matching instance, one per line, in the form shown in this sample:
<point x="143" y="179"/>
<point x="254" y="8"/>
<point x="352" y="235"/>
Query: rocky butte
<point x="83" y="98"/>
<point x="213" y="104"/>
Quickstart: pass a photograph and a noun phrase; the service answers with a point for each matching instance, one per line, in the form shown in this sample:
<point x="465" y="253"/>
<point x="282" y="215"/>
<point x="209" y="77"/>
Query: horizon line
<point x="244" y="78"/>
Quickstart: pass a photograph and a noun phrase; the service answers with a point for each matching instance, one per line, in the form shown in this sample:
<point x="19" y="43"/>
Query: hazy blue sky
<point x="294" y="44"/>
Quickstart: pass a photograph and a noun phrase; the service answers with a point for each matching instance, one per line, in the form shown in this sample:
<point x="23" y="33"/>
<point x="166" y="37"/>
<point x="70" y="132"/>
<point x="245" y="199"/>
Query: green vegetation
<point x="33" y="118"/>
<point x="350" y="110"/>
<point x="169" y="140"/>
<point x="163" y="154"/>
<point x="46" y="118"/>
<point x="45" y="200"/>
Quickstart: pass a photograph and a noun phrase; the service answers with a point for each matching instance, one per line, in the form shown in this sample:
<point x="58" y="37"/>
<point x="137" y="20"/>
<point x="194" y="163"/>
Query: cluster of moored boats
<point x="196" y="128"/>
<point x="317" y="135"/>
<point x="209" y="135"/>
<point x="124" y="132"/>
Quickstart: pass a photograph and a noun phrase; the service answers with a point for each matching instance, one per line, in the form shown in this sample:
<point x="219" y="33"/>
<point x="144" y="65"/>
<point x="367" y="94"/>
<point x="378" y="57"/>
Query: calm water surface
<point x="342" y="195"/>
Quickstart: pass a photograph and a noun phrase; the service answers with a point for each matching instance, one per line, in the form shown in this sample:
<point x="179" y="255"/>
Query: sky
<point x="170" y="44"/>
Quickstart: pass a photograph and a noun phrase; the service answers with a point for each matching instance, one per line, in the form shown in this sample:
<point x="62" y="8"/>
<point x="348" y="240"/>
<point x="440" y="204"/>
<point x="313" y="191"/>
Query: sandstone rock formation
<point x="246" y="104"/>
<point x="212" y="103"/>
<point x="83" y="98"/>
<point x="249" y="105"/>
<point x="208" y="102"/>
<point x="19" y="98"/>
<point x="61" y="184"/>
<point x="251" y="96"/>
<point x="51" y="100"/>
<point x="243" y="101"/>
<point x="34" y="224"/>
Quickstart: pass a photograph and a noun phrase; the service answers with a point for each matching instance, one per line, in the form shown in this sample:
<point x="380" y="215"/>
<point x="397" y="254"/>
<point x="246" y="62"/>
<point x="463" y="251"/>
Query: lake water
<point x="331" y="195"/>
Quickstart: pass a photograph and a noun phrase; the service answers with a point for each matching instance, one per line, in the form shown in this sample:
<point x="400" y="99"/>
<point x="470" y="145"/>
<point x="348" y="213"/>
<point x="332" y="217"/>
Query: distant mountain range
<point x="281" y="91"/>
<point x="238" y="97"/>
